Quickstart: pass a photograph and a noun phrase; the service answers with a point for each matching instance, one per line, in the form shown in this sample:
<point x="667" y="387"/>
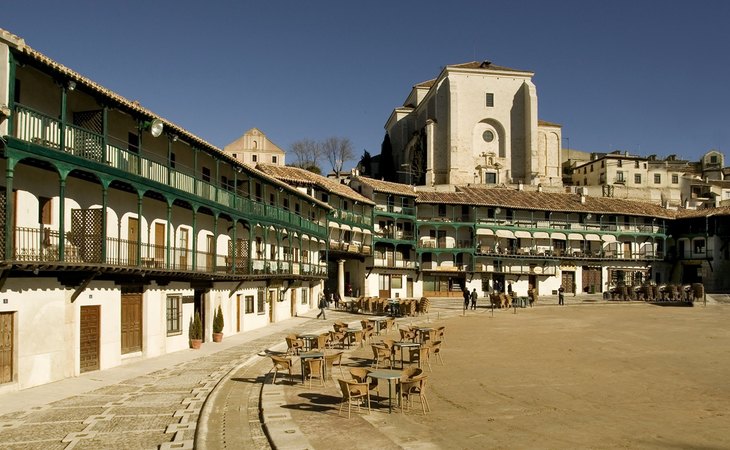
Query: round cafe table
<point x="389" y="375"/>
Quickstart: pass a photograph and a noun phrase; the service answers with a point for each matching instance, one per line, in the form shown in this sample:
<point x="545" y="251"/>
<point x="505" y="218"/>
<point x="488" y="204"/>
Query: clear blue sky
<point x="648" y="77"/>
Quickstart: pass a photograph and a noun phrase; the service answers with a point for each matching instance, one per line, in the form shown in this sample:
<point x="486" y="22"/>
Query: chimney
<point x="539" y="187"/>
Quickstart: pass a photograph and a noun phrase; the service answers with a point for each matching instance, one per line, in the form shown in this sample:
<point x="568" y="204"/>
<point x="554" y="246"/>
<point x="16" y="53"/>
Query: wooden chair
<point x="315" y="369"/>
<point x="293" y="344"/>
<point x="367" y="333"/>
<point x="356" y="337"/>
<point x="420" y="355"/>
<point x="380" y="355"/>
<point x="414" y="386"/>
<point x="410" y="372"/>
<point x="323" y="341"/>
<point x="283" y="364"/>
<point x="441" y="334"/>
<point x="338" y="338"/>
<point x="390" y="345"/>
<point x="436" y="350"/>
<point x="352" y="391"/>
<point x="330" y="361"/>
<point x="339" y="326"/>
<point x="407" y="334"/>
<point x="389" y="325"/>
<point x="360" y="374"/>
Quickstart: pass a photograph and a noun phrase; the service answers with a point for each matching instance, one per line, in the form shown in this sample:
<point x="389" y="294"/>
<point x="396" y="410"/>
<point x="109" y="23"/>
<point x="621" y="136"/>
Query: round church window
<point x="488" y="136"/>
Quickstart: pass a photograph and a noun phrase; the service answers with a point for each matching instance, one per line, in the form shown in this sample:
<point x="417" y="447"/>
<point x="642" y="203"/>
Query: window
<point x="206" y="174"/>
<point x="442" y="210"/>
<point x="637" y="178"/>
<point x="585" y="170"/>
<point x="713" y="159"/>
<point x="657" y="178"/>
<point x="490" y="100"/>
<point x="174" y="314"/>
<point x="274" y="159"/>
<point x="44" y="210"/>
<point x="619" y="163"/>
<point x="490" y="178"/>
<point x="396" y="282"/>
<point x="132" y="142"/>
<point x="699" y="246"/>
<point x="254" y="158"/>
<point x="591" y="167"/>
<point x="249" y="304"/>
<point x="636" y="164"/>
<point x="603" y="164"/>
<point x="620" y="177"/>
<point x="261" y="307"/>
<point x="325" y="197"/>
<point x="675" y="178"/>
<point x="305" y="293"/>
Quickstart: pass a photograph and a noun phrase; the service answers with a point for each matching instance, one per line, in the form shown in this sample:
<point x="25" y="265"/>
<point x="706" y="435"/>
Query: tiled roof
<point x="304" y="177"/>
<point x="275" y="181"/>
<point x="543" y="201"/>
<point x="426" y="84"/>
<point x="388" y="187"/>
<point x="19" y="44"/>
<point x="486" y="65"/>
<point x="705" y="212"/>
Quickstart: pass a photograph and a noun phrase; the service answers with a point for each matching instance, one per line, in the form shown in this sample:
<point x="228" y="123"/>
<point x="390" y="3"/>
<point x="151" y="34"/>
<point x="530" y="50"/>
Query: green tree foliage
<point x="195" y="330"/>
<point x="387" y="168"/>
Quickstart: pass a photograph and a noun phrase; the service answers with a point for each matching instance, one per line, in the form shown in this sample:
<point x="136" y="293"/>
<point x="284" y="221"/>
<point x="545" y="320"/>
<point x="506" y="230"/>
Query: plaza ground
<point x="591" y="374"/>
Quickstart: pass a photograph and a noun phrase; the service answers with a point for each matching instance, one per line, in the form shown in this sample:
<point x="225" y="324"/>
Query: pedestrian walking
<point x="466" y="298"/>
<point x="336" y="297"/>
<point x="474" y="299"/>
<point x="322" y="306"/>
<point x="561" y="295"/>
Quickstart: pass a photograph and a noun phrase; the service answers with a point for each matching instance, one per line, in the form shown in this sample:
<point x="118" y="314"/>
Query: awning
<point x="505" y="234"/>
<point x="541" y="235"/>
<point x="575" y="237"/>
<point x="366" y="231"/>
<point x="485" y="232"/>
<point x="558" y="236"/>
<point x="593" y="237"/>
<point x="522" y="234"/>
<point x="344" y="227"/>
<point x="608" y="238"/>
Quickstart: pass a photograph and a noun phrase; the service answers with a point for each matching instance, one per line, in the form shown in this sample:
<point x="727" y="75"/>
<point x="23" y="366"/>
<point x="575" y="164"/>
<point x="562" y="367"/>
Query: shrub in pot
<point x="218" y="325"/>
<point x="195" y="331"/>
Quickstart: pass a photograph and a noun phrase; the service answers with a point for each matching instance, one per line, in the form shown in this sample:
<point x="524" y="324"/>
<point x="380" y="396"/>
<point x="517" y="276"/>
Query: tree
<point x="365" y="164"/>
<point x="308" y="152"/>
<point x="337" y="150"/>
<point x="387" y="169"/>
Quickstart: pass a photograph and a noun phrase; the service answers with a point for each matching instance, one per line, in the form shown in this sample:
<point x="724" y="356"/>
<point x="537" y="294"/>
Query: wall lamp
<point x="71" y="85"/>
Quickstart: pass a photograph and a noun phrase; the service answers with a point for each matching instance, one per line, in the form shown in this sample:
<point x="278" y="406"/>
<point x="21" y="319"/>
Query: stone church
<point x="475" y="123"/>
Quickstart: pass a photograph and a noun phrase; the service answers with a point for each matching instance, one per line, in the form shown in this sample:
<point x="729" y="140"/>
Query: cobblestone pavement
<point x="159" y="409"/>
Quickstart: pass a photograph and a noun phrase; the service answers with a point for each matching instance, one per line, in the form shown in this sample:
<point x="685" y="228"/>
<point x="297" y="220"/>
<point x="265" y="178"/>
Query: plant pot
<point x="217" y="337"/>
<point x="195" y="343"/>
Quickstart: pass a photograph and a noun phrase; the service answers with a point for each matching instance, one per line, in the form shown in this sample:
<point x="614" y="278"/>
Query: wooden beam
<point x="83" y="286"/>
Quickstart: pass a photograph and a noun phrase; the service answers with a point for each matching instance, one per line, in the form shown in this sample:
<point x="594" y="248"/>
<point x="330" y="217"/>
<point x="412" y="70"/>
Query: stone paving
<point x="206" y="401"/>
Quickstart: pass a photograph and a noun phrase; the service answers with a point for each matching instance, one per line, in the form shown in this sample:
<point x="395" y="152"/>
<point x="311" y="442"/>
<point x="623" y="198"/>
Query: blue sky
<point x="648" y="77"/>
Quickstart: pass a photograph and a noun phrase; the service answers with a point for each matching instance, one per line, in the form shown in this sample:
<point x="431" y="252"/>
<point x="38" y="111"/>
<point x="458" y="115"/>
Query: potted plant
<point x="195" y="331"/>
<point x="218" y="325"/>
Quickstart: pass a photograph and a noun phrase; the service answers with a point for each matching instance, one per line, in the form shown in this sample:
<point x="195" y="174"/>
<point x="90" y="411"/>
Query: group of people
<point x="325" y="299"/>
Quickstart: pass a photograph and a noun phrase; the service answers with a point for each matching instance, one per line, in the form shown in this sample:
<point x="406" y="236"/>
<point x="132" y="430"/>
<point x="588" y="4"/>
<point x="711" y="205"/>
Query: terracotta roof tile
<point x="543" y="201"/>
<point x="545" y="123"/>
<point x="484" y="66"/>
<point x="388" y="187"/>
<point x="306" y="178"/>
<point x="705" y="212"/>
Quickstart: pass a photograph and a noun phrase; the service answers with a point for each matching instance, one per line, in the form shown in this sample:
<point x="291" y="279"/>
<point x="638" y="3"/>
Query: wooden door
<point x="160" y="244"/>
<point x="591" y="280"/>
<point x="238" y="313"/>
<point x="568" y="281"/>
<point x="627" y="250"/>
<point x="7" y="349"/>
<point x="409" y="287"/>
<point x="132" y="240"/>
<point x="384" y="288"/>
<point x="131" y="323"/>
<point x="89" y="338"/>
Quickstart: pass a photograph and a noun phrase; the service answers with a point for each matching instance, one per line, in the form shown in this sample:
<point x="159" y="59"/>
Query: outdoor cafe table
<point x="308" y="340"/>
<point x="394" y="307"/>
<point x="310" y="355"/>
<point x="403" y="344"/>
<point x="390" y="375"/>
<point x="351" y="335"/>
<point x="422" y="332"/>
<point x="377" y="322"/>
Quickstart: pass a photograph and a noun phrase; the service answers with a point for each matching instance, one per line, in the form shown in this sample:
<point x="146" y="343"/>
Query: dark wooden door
<point x="568" y="280"/>
<point x="6" y="347"/>
<point x="160" y="244"/>
<point x="131" y="323"/>
<point x="89" y="338"/>
<point x="591" y="280"/>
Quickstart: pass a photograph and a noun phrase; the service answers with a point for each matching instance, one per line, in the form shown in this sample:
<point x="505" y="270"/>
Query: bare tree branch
<point x="337" y="150"/>
<point x="307" y="153"/>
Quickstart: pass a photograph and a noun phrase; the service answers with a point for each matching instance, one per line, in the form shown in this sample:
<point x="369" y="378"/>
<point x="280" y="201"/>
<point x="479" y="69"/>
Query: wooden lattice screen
<point x="241" y="256"/>
<point x="84" y="241"/>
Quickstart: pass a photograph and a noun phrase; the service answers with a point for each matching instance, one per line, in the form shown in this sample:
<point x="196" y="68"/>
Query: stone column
<point x="341" y="277"/>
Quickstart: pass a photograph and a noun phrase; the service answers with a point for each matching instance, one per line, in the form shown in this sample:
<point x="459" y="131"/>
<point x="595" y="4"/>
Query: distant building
<point x="475" y="123"/>
<point x="254" y="147"/>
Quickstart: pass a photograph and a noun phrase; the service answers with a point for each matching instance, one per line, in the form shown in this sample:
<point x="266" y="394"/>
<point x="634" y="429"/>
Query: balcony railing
<point x="352" y="217"/>
<point x="38" y="128"/>
<point x="404" y="210"/>
<point x="351" y="247"/>
<point x="589" y="226"/>
<point x="42" y="245"/>
<point x="394" y="263"/>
